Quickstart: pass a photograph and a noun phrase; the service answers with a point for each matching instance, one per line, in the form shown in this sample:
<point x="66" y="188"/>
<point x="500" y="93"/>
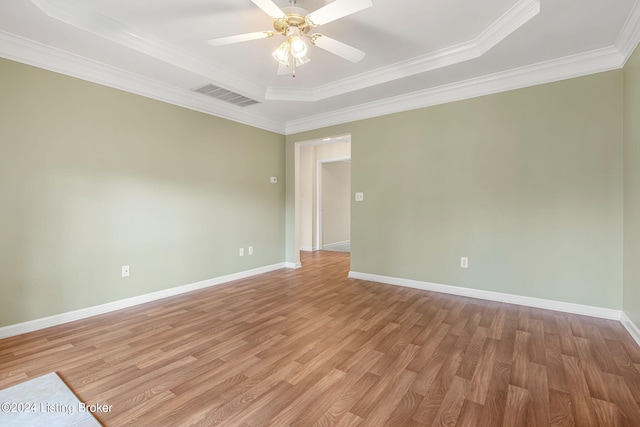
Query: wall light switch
<point x="359" y="197"/>
<point x="250" y="250"/>
<point x="125" y="271"/>
<point x="241" y="252"/>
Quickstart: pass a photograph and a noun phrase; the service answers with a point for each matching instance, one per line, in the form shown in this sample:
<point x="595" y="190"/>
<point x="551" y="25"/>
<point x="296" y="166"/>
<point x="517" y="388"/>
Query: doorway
<point x="333" y="217"/>
<point x="310" y="156"/>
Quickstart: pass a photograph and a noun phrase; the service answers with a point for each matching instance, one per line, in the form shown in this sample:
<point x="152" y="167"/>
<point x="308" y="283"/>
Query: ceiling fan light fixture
<point x="298" y="47"/>
<point x="295" y="23"/>
<point x="281" y="54"/>
<point x="302" y="60"/>
<point x="293" y="51"/>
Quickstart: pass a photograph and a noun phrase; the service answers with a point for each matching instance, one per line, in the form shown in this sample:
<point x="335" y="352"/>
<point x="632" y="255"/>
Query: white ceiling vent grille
<point x="225" y="95"/>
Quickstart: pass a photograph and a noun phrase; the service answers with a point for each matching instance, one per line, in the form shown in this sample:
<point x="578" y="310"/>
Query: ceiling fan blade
<point x="222" y="41"/>
<point x="338" y="9"/>
<point x="345" y="51"/>
<point x="270" y="8"/>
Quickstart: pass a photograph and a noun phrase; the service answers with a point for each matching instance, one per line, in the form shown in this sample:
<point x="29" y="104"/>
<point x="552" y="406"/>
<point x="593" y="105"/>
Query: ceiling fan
<point x="295" y="23"/>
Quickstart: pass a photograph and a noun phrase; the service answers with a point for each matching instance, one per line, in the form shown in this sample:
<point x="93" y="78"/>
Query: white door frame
<point x="319" y="195"/>
<point x="296" y="187"/>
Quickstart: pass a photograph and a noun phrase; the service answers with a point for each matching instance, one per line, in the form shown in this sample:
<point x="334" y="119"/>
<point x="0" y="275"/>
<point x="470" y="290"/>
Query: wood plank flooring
<point x="312" y="347"/>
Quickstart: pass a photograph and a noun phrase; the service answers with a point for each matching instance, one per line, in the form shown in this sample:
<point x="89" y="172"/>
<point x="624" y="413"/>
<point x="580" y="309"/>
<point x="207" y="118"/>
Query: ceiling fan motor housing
<point x="296" y="17"/>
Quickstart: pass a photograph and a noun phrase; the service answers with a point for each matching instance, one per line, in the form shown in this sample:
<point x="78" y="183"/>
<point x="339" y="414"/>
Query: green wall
<point x="526" y="183"/>
<point x="92" y="178"/>
<point x="632" y="188"/>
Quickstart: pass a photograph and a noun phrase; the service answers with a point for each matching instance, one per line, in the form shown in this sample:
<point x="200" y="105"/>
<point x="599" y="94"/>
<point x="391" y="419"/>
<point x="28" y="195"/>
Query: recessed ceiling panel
<point x="411" y="46"/>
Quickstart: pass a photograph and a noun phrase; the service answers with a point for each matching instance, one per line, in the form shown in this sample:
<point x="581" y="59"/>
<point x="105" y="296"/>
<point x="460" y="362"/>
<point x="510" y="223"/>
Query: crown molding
<point x="26" y="51"/>
<point x="32" y="53"/>
<point x="591" y="62"/>
<point x="43" y="56"/>
<point x="504" y="26"/>
<point x="513" y="19"/>
<point x="629" y="36"/>
<point x="117" y="32"/>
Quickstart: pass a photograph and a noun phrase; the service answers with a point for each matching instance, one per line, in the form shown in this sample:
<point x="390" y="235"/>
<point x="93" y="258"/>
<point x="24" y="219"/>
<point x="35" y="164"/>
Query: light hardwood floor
<point x="312" y="347"/>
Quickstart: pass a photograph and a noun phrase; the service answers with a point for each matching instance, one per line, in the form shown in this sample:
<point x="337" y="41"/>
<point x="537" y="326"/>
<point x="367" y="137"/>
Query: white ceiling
<point x="418" y="52"/>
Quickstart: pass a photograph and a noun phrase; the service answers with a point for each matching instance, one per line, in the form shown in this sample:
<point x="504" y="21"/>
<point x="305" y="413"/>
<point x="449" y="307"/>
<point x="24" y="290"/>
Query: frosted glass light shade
<point x="301" y="61"/>
<point x="298" y="47"/>
<point x="281" y="54"/>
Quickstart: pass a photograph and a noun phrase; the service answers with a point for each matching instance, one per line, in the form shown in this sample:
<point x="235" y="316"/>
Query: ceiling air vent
<point x="225" y="95"/>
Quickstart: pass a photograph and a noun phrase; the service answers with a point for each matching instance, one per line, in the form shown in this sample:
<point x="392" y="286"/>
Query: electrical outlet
<point x="241" y="253"/>
<point x="125" y="271"/>
<point x="359" y="197"/>
<point x="464" y="262"/>
<point x="250" y="250"/>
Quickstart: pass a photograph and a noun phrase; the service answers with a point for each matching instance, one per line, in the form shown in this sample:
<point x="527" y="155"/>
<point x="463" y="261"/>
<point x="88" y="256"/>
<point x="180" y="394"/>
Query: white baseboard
<point x="333" y="245"/>
<point x="57" y="319"/>
<point x="45" y="322"/>
<point x="292" y="265"/>
<point x="566" y="307"/>
<point x="308" y="248"/>
<point x="631" y="327"/>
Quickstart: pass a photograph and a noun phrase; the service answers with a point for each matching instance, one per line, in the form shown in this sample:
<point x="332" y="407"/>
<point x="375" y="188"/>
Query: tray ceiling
<point x="418" y="53"/>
